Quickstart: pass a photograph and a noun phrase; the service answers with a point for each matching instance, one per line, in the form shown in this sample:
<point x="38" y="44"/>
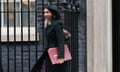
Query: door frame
<point x="99" y="35"/>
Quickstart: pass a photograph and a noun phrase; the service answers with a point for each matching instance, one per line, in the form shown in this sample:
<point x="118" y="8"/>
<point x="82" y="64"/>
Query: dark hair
<point x="54" y="12"/>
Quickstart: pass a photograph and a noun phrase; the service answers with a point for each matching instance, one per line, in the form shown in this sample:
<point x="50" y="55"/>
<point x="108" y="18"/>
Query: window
<point x="18" y="13"/>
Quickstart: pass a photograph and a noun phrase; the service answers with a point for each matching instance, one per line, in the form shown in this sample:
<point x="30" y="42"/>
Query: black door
<point x="116" y="35"/>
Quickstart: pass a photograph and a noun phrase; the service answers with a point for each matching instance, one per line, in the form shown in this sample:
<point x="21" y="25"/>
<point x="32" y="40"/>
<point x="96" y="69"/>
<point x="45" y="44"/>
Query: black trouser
<point x="1" y="70"/>
<point x="1" y="67"/>
<point x="38" y="66"/>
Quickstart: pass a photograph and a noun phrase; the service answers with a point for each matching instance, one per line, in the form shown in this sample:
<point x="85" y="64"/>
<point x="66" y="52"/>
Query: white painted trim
<point x="15" y="0"/>
<point x="90" y="36"/>
<point x="18" y="34"/>
<point x="99" y="36"/>
<point x="109" y="57"/>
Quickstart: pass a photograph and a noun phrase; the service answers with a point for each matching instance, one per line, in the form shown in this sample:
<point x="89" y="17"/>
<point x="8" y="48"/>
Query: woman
<point x="54" y="38"/>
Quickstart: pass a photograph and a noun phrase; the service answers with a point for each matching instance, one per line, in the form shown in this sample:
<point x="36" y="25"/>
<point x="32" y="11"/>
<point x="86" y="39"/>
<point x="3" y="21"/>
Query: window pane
<point x="18" y="19"/>
<point x="18" y="16"/>
<point x="10" y="9"/>
<point x="26" y="5"/>
<point x="32" y="19"/>
<point x="10" y="6"/>
<point x="4" y="6"/>
<point x="5" y="19"/>
<point x="10" y="19"/>
<point x="32" y="6"/>
<point x="17" y="6"/>
<point x="25" y="18"/>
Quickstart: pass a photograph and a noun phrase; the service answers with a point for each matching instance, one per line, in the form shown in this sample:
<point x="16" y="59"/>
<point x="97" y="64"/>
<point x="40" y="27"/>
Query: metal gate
<point x="21" y="32"/>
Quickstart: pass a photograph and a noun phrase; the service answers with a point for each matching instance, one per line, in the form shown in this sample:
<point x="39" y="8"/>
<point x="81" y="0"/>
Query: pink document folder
<point x="53" y="54"/>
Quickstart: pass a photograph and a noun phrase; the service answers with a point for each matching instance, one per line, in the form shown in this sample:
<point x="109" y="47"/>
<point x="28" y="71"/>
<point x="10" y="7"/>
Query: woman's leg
<point x="37" y="67"/>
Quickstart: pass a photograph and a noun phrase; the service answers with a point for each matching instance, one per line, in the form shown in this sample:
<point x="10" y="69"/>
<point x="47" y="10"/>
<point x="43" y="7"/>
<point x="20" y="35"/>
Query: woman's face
<point x="47" y="14"/>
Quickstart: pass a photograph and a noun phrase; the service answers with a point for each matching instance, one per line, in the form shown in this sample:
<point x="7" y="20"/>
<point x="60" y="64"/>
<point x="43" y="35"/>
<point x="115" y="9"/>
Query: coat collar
<point x="50" y="26"/>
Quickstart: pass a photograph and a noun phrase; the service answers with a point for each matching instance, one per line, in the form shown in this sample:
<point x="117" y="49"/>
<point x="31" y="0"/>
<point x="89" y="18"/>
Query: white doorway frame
<point x="99" y="36"/>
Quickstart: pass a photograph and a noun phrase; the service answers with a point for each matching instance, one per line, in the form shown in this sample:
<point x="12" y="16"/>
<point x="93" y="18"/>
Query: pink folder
<point x="53" y="54"/>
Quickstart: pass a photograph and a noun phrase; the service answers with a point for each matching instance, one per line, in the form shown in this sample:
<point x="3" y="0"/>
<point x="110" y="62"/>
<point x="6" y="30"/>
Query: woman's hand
<point x="60" y="60"/>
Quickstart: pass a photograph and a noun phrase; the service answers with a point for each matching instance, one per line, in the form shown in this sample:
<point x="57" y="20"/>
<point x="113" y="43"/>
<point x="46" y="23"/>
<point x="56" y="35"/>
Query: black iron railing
<point x="20" y="54"/>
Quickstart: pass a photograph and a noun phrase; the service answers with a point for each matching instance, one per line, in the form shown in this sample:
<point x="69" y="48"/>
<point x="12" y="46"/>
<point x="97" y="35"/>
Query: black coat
<point x="55" y="37"/>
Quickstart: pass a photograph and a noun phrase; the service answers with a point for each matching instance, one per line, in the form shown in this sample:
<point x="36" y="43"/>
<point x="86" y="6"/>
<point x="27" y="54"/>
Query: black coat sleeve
<point x="60" y="39"/>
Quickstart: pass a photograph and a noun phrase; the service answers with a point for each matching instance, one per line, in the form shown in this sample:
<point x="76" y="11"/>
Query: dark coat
<point x="55" y="36"/>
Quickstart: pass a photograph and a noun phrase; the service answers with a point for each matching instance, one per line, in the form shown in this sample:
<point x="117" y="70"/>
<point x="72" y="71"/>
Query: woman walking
<point x="54" y="37"/>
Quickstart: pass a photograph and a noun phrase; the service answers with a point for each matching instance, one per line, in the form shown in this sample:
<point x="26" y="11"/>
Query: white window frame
<point x="18" y="29"/>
